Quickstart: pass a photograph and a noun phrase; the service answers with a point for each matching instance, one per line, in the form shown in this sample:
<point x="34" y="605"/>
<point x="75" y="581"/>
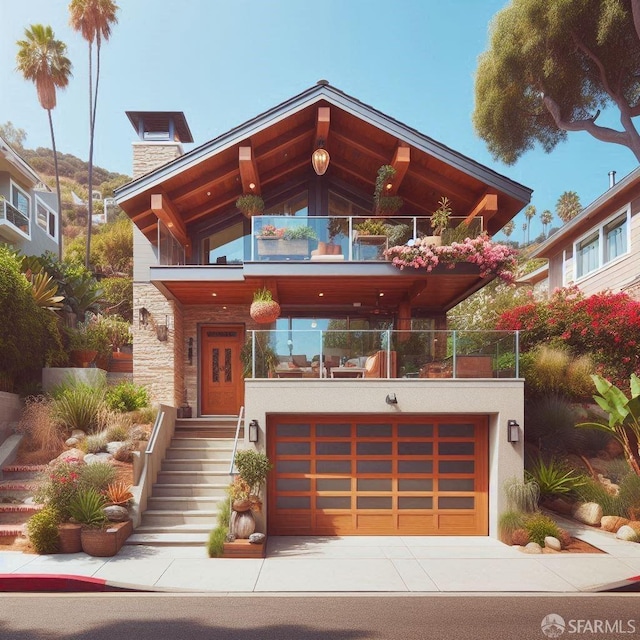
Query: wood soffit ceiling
<point x="282" y="153"/>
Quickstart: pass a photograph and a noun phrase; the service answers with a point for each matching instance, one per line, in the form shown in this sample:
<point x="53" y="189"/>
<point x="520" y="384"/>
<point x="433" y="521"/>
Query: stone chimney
<point x="160" y="138"/>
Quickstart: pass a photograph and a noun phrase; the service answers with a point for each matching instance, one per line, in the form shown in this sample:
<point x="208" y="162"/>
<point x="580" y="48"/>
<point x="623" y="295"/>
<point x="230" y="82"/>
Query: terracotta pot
<point x="265" y="312"/>
<point x="242" y="524"/>
<point x="104" y="543"/>
<point x="82" y="357"/>
<point x="70" y="537"/>
<point x="241" y="505"/>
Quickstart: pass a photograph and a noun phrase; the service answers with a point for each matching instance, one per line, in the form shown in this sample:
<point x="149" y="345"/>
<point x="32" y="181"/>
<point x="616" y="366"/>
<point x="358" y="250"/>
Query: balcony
<point x="335" y="239"/>
<point x="14" y="225"/>
<point x="387" y="354"/>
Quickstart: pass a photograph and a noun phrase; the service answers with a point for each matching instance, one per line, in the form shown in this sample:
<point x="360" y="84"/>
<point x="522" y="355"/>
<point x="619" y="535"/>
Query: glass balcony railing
<point x="21" y="222"/>
<point x="316" y="238"/>
<point x="170" y="251"/>
<point x="381" y="354"/>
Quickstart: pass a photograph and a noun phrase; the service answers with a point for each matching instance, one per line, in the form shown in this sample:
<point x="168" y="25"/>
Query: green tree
<point x="15" y="137"/>
<point x="41" y="58"/>
<point x="93" y="19"/>
<point x="546" y="217"/>
<point x="568" y="206"/>
<point x="551" y="67"/>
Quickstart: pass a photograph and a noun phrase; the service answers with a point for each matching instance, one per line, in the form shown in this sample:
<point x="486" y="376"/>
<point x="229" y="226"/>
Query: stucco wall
<point x="10" y="411"/>
<point x="500" y="399"/>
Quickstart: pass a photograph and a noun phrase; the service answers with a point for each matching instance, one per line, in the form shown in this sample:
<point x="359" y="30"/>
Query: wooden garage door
<point x="372" y="475"/>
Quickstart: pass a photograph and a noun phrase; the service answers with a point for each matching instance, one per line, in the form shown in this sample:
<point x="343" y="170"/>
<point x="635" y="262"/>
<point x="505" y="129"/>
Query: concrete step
<point x="186" y="503"/>
<point x="29" y="509"/>
<point x="203" y="528"/>
<point x="194" y="477"/>
<point x="168" y="539"/>
<point x="187" y="490"/>
<point x="203" y="432"/>
<point x="22" y="471"/>
<point x="197" y="453"/>
<point x="202" y="443"/>
<point x="196" y="464"/>
<point x="164" y="518"/>
<point x="11" y="531"/>
<point x="18" y="489"/>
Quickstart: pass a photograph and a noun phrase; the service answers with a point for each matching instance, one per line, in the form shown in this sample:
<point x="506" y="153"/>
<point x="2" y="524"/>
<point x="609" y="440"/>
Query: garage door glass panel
<point x="456" y="448"/>
<point x="415" y="466"/>
<point x="330" y="502"/>
<point x="421" y="484"/>
<point x="452" y="430"/>
<point x="333" y="484"/>
<point x="293" y="448"/>
<point x="456" y="503"/>
<point x="333" y="430"/>
<point x="333" y="466"/>
<point x="293" y="430"/>
<point x="293" y="502"/>
<point x="333" y="448"/>
<point x="415" y="448"/>
<point x="373" y="430"/>
<point x="293" y="466"/>
<point x="415" y="431"/>
<point x="293" y="484"/>
<point x="415" y="503"/>
<point x="374" y="484"/>
<point x="462" y="484"/>
<point x="373" y="448"/>
<point x="374" y="466"/>
<point x="456" y="466"/>
<point x="374" y="503"/>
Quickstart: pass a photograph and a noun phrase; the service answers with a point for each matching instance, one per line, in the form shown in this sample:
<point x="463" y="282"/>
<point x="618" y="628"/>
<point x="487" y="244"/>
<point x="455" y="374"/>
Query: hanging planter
<point x="264" y="309"/>
<point x="250" y="204"/>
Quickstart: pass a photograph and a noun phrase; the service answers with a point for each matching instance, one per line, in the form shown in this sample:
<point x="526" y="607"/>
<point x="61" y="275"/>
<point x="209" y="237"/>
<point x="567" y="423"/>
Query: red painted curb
<point x="18" y="582"/>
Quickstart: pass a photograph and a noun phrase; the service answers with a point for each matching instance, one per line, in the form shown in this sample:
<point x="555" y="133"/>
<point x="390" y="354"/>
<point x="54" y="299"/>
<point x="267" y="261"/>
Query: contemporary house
<point x="597" y="249"/>
<point x="377" y="418"/>
<point x="29" y="218"/>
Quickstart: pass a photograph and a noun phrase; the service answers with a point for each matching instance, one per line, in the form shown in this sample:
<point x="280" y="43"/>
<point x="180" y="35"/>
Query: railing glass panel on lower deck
<point x="170" y="251"/>
<point x="381" y="354"/>
<point x="9" y="213"/>
<point x="318" y="238"/>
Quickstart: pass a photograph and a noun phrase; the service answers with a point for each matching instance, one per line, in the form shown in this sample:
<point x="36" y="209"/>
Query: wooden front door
<point x="378" y="475"/>
<point x="221" y="370"/>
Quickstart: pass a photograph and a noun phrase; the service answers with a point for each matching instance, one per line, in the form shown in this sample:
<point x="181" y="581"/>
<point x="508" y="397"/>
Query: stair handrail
<point x="232" y="471"/>
<point x="154" y="432"/>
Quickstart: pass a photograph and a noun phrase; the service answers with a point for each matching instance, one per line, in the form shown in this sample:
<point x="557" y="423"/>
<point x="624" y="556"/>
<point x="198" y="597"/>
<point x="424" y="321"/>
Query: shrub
<point x="593" y="491"/>
<point x="551" y="420"/>
<point x="95" y="443"/>
<point x="630" y="494"/>
<point x="125" y="452"/>
<point x="145" y="415"/>
<point x="215" y="543"/>
<point x="97" y="475"/>
<point x="510" y="521"/>
<point x="77" y="405"/>
<point x="127" y="396"/>
<point x="539" y="527"/>
<point x="117" y="433"/>
<point x="520" y="537"/>
<point x="42" y="529"/>
<point x="44" y="437"/>
<point x="87" y="507"/>
<point x="58" y="486"/>
<point x="554" y="479"/>
<point x="118" y="493"/>
<point x="522" y="496"/>
<point x="253" y="467"/>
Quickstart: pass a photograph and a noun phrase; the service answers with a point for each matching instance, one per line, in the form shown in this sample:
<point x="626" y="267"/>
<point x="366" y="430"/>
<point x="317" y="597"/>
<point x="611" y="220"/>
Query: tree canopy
<point x="551" y="67"/>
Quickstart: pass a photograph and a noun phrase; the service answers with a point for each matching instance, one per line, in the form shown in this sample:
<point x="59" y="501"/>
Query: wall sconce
<point x="513" y="431"/>
<point x="190" y="351"/>
<point x="391" y="398"/>
<point x="254" y="430"/>
<point x="143" y="317"/>
<point x="162" y="331"/>
<point x="320" y="159"/>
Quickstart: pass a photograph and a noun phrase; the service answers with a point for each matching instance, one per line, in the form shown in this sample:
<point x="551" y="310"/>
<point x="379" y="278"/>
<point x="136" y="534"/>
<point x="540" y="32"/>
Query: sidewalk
<point x="351" y="564"/>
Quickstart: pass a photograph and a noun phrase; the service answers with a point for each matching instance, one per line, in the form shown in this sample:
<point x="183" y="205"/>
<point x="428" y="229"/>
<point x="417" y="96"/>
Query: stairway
<point x="17" y="485"/>
<point x="191" y="484"/>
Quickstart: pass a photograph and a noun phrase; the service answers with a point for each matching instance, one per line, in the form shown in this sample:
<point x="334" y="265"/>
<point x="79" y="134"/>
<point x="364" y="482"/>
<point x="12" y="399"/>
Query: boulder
<point x="635" y="525"/>
<point x="257" y="538"/>
<point x="112" y="447"/>
<point x="626" y="533"/>
<point x="116" y="513"/>
<point x="612" y="523"/>
<point x="71" y="442"/>
<point x="70" y="455"/>
<point x="532" y="547"/>
<point x="559" y="505"/>
<point x="614" y="448"/>
<point x="552" y="543"/>
<point x="78" y="433"/>
<point x="588" y="513"/>
<point x="92" y="458"/>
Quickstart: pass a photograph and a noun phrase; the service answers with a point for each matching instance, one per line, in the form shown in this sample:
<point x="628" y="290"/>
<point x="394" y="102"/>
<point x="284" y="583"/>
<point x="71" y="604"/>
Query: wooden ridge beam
<point x="488" y="203"/>
<point x="248" y="171"/>
<point x="322" y="127"/>
<point x="400" y="163"/>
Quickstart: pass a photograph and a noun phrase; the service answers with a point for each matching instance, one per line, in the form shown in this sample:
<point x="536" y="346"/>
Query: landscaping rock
<point x="78" y="433"/>
<point x="257" y="538"/>
<point x="588" y="512"/>
<point x="552" y="543"/>
<point x="635" y="525"/>
<point x="92" y="458"/>
<point x="69" y="456"/>
<point x="112" y="447"/>
<point x="626" y="533"/>
<point x="138" y="432"/>
<point x="532" y="547"/>
<point x="612" y="523"/>
<point x="71" y="442"/>
<point x="611" y="488"/>
<point x="614" y="448"/>
<point x="560" y="505"/>
<point x="116" y="513"/>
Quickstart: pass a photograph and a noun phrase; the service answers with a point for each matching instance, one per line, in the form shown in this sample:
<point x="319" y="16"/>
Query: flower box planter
<point x="279" y="247"/>
<point x="106" y="542"/>
<point x="244" y="549"/>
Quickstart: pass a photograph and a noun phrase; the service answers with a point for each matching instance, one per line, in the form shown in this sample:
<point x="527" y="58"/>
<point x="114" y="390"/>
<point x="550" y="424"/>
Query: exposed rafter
<point x="400" y="163"/>
<point x="488" y="204"/>
<point x="248" y="171"/>
<point x="162" y="206"/>
<point x="322" y="126"/>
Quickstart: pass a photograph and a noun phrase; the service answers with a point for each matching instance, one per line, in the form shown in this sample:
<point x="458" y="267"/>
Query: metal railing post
<point x="253" y="353"/>
<point x="455" y="352"/>
<point x="517" y="349"/>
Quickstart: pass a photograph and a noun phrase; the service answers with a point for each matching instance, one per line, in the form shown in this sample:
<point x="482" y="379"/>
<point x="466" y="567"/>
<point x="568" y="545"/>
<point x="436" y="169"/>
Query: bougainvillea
<point x="605" y="325"/>
<point x="492" y="258"/>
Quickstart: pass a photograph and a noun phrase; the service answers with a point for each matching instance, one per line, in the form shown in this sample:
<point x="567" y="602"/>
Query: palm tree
<point x="529" y="213"/>
<point x="41" y="58"/>
<point x="509" y="228"/>
<point x="568" y="206"/>
<point x="93" y="19"/>
<point x="546" y="217"/>
<point x="524" y="233"/>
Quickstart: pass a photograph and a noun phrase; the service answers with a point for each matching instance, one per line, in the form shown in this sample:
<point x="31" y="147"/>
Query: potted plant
<point x="385" y="205"/>
<point x="250" y="204"/>
<point x="371" y="227"/>
<point x="86" y="341"/>
<point x="264" y="309"/>
<point x="440" y="220"/>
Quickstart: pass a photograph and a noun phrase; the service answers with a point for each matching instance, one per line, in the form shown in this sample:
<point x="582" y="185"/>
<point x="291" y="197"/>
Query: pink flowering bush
<point x="492" y="258"/>
<point x="271" y="231"/>
<point x="59" y="484"/>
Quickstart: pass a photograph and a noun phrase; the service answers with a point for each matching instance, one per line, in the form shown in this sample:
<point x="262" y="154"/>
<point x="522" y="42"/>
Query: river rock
<point x="532" y="547"/>
<point x="112" y="447"/>
<point x="70" y="455"/>
<point x="257" y="538"/>
<point x="78" y="433"/>
<point x="116" y="513"/>
<point x="559" y="505"/>
<point x="552" y="543"/>
<point x="92" y="458"/>
<point x="626" y="533"/>
<point x="588" y="512"/>
<point x="71" y="442"/>
<point x="612" y="523"/>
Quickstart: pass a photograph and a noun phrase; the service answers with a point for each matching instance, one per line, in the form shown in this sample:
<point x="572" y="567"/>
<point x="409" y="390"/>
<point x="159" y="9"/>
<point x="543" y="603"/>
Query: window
<point x="20" y="200"/>
<point x="46" y="218"/>
<point x="603" y="245"/>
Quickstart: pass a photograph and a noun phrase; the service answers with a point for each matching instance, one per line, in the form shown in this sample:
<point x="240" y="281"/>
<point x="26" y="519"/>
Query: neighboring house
<point x="598" y="249"/>
<point x="29" y="218"/>
<point x="378" y="420"/>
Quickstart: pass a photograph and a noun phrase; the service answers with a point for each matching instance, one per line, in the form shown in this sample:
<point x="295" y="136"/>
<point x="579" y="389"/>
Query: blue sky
<point x="223" y="62"/>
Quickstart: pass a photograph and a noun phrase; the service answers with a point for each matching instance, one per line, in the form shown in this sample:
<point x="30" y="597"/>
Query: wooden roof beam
<point x="162" y="206"/>
<point x="400" y="163"/>
<point x="416" y="290"/>
<point x="488" y="204"/>
<point x="322" y="127"/>
<point x="248" y="171"/>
